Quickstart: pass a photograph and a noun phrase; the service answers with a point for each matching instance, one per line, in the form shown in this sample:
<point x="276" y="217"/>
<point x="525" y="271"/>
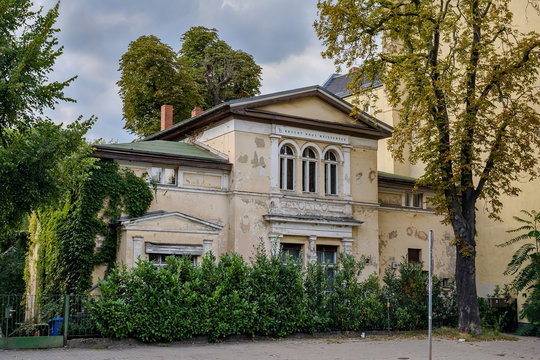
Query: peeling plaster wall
<point x="366" y="238"/>
<point x="250" y="228"/>
<point x="251" y="169"/>
<point x="400" y="230"/>
<point x="364" y="174"/>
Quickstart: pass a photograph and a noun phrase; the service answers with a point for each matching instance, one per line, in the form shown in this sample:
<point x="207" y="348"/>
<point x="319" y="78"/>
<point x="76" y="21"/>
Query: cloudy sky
<point x="95" y="33"/>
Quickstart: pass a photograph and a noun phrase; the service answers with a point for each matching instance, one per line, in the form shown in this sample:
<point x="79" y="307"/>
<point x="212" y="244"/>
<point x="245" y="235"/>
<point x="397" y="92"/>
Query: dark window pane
<point x="312" y="176"/>
<point x="290" y="173"/>
<point x="333" y="179"/>
<point x="413" y="255"/>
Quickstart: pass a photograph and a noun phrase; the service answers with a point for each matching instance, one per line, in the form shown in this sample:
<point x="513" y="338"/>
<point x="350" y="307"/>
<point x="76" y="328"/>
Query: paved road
<point x="312" y="349"/>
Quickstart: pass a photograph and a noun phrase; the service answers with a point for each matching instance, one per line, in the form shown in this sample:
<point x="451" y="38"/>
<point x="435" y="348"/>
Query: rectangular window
<point x="327" y="255"/>
<point x="413" y="255"/>
<point x="446" y="283"/>
<point x="290" y="174"/>
<point x="292" y="250"/>
<point x="414" y="200"/>
<point x="162" y="175"/>
<point x="159" y="260"/>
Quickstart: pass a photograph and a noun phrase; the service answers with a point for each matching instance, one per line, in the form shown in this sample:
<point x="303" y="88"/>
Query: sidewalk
<point x="375" y="348"/>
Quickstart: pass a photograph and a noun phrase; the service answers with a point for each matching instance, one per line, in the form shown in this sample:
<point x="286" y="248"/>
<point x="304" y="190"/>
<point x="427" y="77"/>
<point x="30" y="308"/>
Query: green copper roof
<point x="163" y="147"/>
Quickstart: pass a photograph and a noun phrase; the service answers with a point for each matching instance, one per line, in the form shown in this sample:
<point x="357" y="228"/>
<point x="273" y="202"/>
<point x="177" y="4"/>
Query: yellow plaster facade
<point x="329" y="202"/>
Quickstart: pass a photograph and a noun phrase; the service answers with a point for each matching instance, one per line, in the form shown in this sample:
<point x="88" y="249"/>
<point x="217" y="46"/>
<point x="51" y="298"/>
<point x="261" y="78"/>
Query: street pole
<point x="430" y="288"/>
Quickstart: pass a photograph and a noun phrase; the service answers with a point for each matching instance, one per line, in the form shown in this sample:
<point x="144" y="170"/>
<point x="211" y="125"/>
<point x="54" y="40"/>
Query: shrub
<point x="278" y="294"/>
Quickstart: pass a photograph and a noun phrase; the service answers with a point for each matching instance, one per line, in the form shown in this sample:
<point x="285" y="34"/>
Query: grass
<point x="487" y="335"/>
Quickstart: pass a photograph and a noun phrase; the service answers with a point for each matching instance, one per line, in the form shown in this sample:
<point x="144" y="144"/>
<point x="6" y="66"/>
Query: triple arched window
<point x="310" y="168"/>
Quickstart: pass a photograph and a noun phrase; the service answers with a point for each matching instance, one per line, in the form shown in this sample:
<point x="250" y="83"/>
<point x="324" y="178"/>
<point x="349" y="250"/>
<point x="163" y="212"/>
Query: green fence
<point x="30" y="321"/>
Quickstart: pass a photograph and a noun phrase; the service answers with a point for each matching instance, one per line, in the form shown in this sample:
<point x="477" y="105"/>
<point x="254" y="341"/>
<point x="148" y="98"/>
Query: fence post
<point x="66" y="319"/>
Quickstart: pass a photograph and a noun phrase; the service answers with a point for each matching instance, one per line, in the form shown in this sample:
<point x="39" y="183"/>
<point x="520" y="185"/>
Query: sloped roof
<point x="366" y="126"/>
<point x="177" y="148"/>
<point x="160" y="151"/>
<point x="337" y="84"/>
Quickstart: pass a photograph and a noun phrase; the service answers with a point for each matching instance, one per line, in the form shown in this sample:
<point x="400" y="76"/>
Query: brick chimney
<point x="196" y="111"/>
<point x="166" y="116"/>
<point x="353" y="70"/>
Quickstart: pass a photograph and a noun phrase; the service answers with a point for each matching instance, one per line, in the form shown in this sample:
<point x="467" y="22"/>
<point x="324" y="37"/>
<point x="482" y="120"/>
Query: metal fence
<point x="44" y="315"/>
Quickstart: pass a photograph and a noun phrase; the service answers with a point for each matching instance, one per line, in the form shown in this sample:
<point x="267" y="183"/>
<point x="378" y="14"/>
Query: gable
<point x="309" y="107"/>
<point x="175" y="222"/>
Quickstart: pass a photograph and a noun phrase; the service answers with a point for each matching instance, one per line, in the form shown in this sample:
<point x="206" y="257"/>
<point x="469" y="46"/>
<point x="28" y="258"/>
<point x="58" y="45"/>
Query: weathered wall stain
<point x="372" y="175"/>
<point x="243" y="159"/>
<point x="358" y="176"/>
<point x="245" y="225"/>
<point x="412" y="231"/>
<point x="259" y="142"/>
<point x="392" y="234"/>
<point x="257" y="161"/>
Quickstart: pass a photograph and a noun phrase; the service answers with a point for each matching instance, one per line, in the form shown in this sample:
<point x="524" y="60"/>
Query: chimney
<point x="353" y="70"/>
<point x="166" y="116"/>
<point x="196" y="111"/>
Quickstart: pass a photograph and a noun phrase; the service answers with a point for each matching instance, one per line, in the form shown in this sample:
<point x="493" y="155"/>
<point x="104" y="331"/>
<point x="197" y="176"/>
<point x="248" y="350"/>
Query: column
<point x="346" y="170"/>
<point x="275" y="244"/>
<point x="312" y="250"/>
<point x="207" y="246"/>
<point x="137" y="249"/>
<point x="346" y="243"/>
<point x="274" y="162"/>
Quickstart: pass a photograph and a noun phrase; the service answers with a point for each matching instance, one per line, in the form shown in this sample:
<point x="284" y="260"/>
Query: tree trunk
<point x="464" y="225"/>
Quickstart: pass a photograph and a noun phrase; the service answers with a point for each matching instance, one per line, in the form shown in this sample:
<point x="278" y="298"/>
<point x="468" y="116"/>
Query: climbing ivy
<point x="66" y="235"/>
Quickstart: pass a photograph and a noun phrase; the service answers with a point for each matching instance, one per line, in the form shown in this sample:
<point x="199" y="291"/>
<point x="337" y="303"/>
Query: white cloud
<point x="305" y="69"/>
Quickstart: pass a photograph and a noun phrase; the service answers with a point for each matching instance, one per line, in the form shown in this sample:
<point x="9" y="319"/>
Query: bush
<point x="278" y="295"/>
<point x="271" y="297"/>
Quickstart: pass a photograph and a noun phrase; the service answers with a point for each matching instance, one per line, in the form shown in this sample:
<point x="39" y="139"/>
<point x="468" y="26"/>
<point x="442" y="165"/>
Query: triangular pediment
<point x="311" y="107"/>
<point x="162" y="221"/>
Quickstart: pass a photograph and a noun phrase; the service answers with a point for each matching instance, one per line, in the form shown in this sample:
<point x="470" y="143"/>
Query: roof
<point x="366" y="126"/>
<point x="394" y="180"/>
<point x="337" y="84"/>
<point x="163" y="147"/>
<point x="167" y="152"/>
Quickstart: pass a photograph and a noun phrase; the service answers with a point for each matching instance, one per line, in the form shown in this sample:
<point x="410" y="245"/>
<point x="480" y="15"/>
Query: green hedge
<point x="269" y="297"/>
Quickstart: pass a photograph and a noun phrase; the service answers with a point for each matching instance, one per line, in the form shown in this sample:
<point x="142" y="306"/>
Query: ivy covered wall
<point x="62" y="253"/>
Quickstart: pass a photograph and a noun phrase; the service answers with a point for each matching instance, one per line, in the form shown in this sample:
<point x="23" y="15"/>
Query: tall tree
<point x="28" y="51"/>
<point x="463" y="80"/>
<point x="224" y="73"/>
<point x="152" y="75"/>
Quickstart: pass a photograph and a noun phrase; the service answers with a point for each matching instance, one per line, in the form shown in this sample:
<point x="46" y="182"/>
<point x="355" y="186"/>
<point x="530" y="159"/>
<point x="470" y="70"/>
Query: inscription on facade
<point x="284" y="206"/>
<point x="312" y="135"/>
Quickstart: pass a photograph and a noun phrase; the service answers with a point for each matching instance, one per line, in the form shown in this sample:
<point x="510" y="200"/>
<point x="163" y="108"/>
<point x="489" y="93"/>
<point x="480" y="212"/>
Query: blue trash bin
<point x="54" y="325"/>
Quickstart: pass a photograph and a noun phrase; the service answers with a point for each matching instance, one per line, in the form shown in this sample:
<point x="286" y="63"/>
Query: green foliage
<point x="12" y="258"/>
<point x="223" y="73"/>
<point x="206" y="72"/>
<point x="525" y="265"/>
<point x="463" y="79"/>
<point x="316" y="284"/>
<point x="29" y="51"/>
<point x="531" y="311"/>
<point x="38" y="166"/>
<point x="227" y="298"/>
<point x="354" y="304"/>
<point x="407" y="292"/>
<point x="67" y="233"/>
<point x="151" y="76"/>
<point x="278" y="294"/>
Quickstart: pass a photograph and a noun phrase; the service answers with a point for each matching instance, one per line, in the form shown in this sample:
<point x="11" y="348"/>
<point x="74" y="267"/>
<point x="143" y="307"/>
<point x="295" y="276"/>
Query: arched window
<point x="309" y="167"/>
<point x="330" y="173"/>
<point x="286" y="168"/>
